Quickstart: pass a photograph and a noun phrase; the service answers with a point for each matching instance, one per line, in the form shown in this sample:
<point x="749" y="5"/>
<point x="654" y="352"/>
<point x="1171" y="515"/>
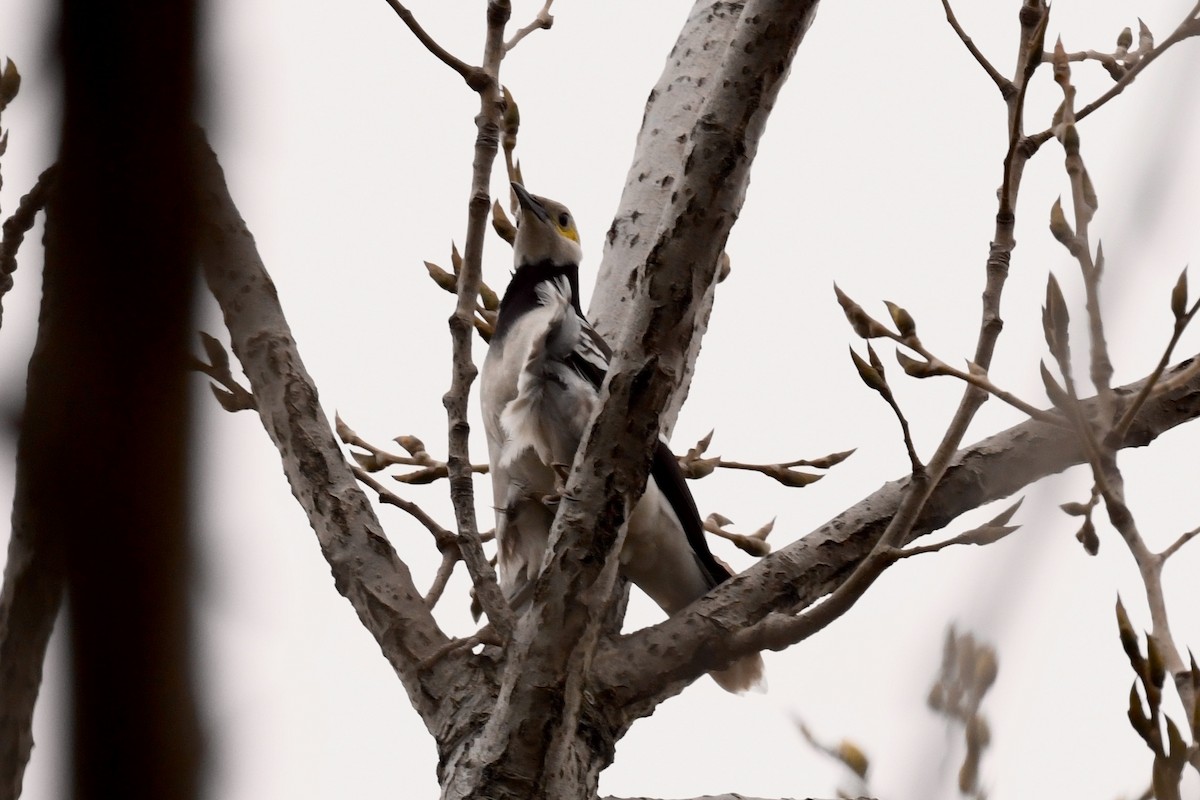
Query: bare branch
<point x="694" y="466"/>
<point x="376" y="458"/>
<point x="875" y="376"/>
<point x="478" y="79"/>
<point x="543" y="21"/>
<point x="1083" y="197"/>
<point x="1006" y="87"/>
<point x="445" y="570"/>
<point x="1152" y="385"/>
<point x="642" y="673"/>
<point x="1187" y="28"/>
<point x="845" y="752"/>
<point x="366" y="569"/>
<point x="463" y="322"/>
<point x="442" y="537"/>
<point x="778" y="626"/>
<point x="1178" y="543"/>
<point x="868" y="327"/>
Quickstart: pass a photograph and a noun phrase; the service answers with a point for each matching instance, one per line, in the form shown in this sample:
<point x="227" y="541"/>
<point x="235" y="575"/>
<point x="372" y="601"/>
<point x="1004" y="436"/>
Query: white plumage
<point x="540" y="384"/>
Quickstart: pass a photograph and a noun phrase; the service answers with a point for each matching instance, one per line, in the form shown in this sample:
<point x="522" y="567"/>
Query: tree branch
<point x="1187" y="28"/>
<point x="475" y="77"/>
<point x="1006" y="87"/>
<point x="672" y="111"/>
<point x="543" y="21"/>
<point x="365" y="568"/>
<point x="647" y="666"/>
<point x="462" y="327"/>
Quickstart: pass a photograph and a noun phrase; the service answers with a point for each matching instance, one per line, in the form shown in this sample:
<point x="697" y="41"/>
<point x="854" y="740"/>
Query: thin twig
<point x="450" y="557"/>
<point x="485" y="635"/>
<point x="1187" y="28"/>
<point x="1005" y="86"/>
<point x="985" y="383"/>
<point x="1178" y="543"/>
<point x="376" y="458"/>
<point x="543" y="21"/>
<point x="1152" y="385"/>
<point x="464" y="371"/>
<point x="441" y="536"/>
<point x="778" y="628"/>
<point x="475" y="77"/>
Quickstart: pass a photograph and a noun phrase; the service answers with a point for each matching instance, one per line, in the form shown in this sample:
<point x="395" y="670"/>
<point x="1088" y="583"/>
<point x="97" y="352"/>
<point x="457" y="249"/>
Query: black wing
<point x="665" y="471"/>
<point x="590" y="359"/>
<point x="664" y="468"/>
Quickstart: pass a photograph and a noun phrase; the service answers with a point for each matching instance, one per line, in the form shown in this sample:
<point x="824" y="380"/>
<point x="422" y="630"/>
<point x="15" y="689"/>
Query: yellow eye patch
<point x="568" y="231"/>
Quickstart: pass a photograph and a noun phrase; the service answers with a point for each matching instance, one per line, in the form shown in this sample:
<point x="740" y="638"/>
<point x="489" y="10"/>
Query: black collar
<point x="521" y="295"/>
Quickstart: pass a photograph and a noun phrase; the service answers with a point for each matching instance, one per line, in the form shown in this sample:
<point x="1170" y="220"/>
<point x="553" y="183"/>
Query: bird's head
<point x="545" y="232"/>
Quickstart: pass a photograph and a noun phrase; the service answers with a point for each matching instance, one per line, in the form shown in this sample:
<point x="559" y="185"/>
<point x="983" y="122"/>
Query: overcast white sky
<point x="348" y="149"/>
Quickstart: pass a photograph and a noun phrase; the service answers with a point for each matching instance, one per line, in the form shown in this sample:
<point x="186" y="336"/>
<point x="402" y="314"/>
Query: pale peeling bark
<point x="647" y="666"/>
<point x="366" y="570"/>
<point x="672" y="110"/>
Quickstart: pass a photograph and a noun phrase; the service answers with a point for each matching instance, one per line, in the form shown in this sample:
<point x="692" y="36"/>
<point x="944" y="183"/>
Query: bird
<point x="540" y="383"/>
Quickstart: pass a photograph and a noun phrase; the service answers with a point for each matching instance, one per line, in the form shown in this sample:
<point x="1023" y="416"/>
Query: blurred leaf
<point x="10" y="83"/>
<point x="215" y="351"/>
<point x="854" y="758"/>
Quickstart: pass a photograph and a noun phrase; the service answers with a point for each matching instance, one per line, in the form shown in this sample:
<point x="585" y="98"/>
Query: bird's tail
<point x="744" y="675"/>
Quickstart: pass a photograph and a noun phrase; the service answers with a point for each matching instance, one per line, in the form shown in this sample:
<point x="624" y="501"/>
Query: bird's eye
<point x="564" y="219"/>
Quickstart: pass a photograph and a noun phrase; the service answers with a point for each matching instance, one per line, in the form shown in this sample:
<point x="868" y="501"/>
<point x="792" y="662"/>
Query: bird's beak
<point x="530" y="203"/>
